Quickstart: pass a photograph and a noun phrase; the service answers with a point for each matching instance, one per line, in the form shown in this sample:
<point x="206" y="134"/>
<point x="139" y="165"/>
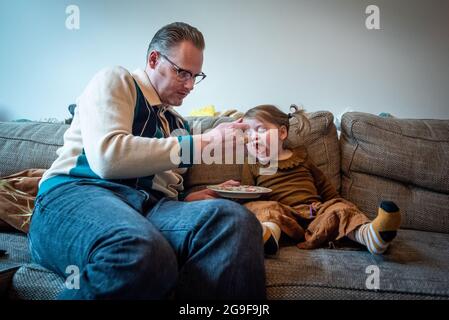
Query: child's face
<point x="264" y="141"/>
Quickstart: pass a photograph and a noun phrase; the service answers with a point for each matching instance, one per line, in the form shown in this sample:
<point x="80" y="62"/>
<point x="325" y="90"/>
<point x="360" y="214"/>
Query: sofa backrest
<point x="25" y="145"/>
<point x="321" y="142"/>
<point x="403" y="160"/>
<point x="381" y="158"/>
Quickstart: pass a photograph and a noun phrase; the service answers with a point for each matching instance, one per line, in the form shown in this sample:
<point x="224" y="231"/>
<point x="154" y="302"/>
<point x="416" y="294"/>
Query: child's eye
<point x="261" y="130"/>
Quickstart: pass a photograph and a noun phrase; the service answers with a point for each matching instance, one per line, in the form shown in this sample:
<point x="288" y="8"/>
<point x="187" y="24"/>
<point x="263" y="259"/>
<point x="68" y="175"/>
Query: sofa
<point x="369" y="159"/>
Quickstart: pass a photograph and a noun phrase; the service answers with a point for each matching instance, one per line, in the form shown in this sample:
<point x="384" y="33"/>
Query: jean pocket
<point x="37" y="201"/>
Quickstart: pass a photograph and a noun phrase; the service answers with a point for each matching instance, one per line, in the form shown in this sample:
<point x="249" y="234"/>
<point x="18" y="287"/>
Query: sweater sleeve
<point x="106" y="111"/>
<point x="324" y="187"/>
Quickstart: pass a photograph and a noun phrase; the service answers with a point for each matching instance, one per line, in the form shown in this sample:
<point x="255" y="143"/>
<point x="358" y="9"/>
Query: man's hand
<point x="228" y="131"/>
<point x="209" y="194"/>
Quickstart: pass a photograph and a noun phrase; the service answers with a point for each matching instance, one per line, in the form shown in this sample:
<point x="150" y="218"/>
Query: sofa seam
<point x="404" y="184"/>
<point x="446" y="295"/>
<point x="30" y="140"/>
<point x="351" y="161"/>
<point x="393" y="132"/>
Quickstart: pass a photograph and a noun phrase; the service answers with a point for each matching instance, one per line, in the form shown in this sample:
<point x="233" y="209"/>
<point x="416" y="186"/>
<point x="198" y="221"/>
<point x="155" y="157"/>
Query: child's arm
<point x="325" y="188"/>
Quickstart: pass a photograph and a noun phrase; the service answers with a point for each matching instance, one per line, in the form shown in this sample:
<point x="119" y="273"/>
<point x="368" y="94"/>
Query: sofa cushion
<point x="16" y="246"/>
<point x="29" y="281"/>
<point x="25" y="145"/>
<point x="34" y="144"/>
<point x="34" y="282"/>
<point x="415" y="266"/>
<point x="321" y="142"/>
<point x="398" y="159"/>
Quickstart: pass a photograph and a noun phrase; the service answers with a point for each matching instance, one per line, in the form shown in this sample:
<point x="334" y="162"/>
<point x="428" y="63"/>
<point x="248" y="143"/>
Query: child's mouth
<point x="261" y="149"/>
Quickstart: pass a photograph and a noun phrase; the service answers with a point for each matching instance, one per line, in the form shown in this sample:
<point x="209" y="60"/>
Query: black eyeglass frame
<point x="180" y="70"/>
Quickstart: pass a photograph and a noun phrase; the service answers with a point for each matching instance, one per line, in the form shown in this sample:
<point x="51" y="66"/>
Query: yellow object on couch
<point x="209" y="111"/>
<point x="205" y="111"/>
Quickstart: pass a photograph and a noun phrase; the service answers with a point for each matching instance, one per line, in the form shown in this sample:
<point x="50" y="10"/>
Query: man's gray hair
<point x="174" y="33"/>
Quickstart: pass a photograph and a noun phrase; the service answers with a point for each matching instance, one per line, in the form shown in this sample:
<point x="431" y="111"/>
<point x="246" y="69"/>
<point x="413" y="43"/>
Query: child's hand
<point x="208" y="193"/>
<point x="204" y="194"/>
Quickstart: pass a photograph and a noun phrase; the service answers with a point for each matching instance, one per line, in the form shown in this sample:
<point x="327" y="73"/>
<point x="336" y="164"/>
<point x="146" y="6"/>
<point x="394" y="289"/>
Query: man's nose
<point x="189" y="84"/>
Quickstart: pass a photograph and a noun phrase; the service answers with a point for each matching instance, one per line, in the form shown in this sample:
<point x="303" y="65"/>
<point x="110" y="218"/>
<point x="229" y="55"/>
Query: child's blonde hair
<point x="271" y="114"/>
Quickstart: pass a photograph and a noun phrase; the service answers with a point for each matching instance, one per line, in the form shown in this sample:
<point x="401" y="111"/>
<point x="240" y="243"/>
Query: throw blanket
<point x="17" y="194"/>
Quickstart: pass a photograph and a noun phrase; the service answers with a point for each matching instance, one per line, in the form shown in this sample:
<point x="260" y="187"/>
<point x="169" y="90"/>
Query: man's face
<point x="164" y="78"/>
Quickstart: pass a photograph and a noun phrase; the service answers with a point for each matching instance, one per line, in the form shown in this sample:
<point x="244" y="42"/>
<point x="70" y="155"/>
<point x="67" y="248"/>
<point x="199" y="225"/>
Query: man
<point x="109" y="203"/>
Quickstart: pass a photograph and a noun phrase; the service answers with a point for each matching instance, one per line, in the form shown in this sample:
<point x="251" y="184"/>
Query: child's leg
<point x="378" y="234"/>
<point x="275" y="219"/>
<point x="271" y="236"/>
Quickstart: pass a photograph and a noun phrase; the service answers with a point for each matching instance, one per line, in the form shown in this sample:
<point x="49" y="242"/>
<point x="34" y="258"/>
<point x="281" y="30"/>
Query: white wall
<point x="316" y="53"/>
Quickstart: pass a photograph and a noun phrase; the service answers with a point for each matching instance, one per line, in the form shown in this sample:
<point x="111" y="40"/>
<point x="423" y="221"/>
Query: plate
<point x="239" y="192"/>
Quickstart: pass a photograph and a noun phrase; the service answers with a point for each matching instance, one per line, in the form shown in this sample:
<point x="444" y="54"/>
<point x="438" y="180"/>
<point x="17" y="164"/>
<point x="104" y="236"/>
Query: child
<point x="302" y="196"/>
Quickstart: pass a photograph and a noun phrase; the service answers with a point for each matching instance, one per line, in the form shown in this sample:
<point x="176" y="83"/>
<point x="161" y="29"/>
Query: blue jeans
<point x="126" y="247"/>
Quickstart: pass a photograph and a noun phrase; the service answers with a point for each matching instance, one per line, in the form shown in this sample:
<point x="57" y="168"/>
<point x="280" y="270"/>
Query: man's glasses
<point x="185" y="75"/>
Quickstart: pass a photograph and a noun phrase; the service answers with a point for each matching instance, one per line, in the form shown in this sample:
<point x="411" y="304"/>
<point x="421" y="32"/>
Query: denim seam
<point x="180" y="229"/>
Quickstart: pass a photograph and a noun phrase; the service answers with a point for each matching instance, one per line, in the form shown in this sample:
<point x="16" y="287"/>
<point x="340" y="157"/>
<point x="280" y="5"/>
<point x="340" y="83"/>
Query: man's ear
<point x="153" y="59"/>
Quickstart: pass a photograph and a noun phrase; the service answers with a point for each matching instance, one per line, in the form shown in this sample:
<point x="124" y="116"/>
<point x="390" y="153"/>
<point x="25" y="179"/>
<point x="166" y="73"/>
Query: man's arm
<point x="106" y="111"/>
